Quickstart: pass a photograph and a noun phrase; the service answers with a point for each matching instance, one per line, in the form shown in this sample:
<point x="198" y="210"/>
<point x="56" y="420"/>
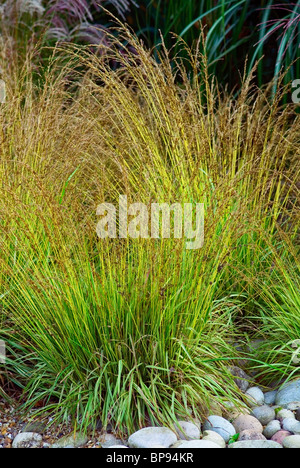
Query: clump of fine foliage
<point x="134" y="331"/>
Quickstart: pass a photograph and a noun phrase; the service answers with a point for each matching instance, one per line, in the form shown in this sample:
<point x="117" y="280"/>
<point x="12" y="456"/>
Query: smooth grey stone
<point x="289" y="394"/>
<point x="221" y="426"/>
<point x="241" y="378"/>
<point x="189" y="444"/>
<point x="157" y="446"/>
<point x="272" y="428"/>
<point x="245" y="422"/>
<point x="27" y="440"/>
<point x="284" y="414"/>
<point x="255" y="396"/>
<point x="255" y="444"/>
<point x="177" y="444"/>
<point x="292" y="442"/>
<point x="211" y="436"/>
<point x="270" y="398"/>
<point x="264" y="414"/>
<point x="117" y="446"/>
<point x="71" y="440"/>
<point x="291" y="425"/>
<point x="148" y="436"/>
<point x="293" y="406"/>
<point x="187" y="430"/>
<point x="251" y="435"/>
<point x="106" y="440"/>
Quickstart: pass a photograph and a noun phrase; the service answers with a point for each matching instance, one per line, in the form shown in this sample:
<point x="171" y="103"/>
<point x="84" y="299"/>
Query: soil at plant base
<point x="12" y="422"/>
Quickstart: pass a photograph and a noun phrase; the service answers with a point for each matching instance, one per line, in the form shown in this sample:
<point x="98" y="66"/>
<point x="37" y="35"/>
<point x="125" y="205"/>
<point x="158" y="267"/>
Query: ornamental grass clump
<point x="136" y="331"/>
<point x="277" y="318"/>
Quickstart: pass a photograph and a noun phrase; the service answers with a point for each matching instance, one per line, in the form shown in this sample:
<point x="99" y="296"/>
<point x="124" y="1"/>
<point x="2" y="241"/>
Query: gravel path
<point x="13" y="423"/>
